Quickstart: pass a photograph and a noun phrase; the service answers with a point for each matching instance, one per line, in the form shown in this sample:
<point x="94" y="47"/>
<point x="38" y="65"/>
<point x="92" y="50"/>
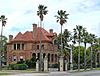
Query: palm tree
<point x="41" y="12"/>
<point x="91" y="41"/>
<point x="85" y="41"/>
<point x="67" y="37"/>
<point x="78" y="37"/>
<point x="3" y="20"/>
<point x="96" y="48"/>
<point x="61" y="18"/>
<point x="4" y="51"/>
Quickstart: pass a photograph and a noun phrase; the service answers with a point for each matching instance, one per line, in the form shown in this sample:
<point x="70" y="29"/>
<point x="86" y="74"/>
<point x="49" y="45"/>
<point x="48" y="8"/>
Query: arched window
<point x="21" y="58"/>
<point x="14" y="57"/>
<point x="43" y="55"/>
<point x="52" y="57"/>
<point x="48" y="57"/>
<point x="55" y="57"/>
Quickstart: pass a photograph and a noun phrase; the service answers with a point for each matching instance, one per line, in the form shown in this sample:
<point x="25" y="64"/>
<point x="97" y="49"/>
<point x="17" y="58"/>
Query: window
<point x="14" y="46"/>
<point x="22" y="46"/>
<point x="42" y="46"/>
<point x="55" y="57"/>
<point x="48" y="57"/>
<point x="37" y="46"/>
<point x="14" y="58"/>
<point x="21" y="58"/>
<point x="18" y="46"/>
<point x="52" y="57"/>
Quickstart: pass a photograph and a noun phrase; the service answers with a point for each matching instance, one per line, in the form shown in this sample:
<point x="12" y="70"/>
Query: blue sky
<point x="22" y="14"/>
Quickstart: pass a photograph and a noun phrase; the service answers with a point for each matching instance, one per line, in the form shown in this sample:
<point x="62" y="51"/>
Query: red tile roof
<point x="28" y="36"/>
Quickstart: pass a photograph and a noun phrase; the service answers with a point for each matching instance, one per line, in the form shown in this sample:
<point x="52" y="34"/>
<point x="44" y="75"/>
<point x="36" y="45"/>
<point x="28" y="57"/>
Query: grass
<point x="11" y="72"/>
<point x="82" y="70"/>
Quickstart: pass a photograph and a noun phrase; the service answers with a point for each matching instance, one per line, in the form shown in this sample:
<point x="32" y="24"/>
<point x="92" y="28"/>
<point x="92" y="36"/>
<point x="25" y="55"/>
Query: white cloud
<point x="22" y="13"/>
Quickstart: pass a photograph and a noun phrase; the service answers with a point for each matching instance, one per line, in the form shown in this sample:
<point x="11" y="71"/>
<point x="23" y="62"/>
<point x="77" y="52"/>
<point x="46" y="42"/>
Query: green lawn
<point x="9" y="72"/>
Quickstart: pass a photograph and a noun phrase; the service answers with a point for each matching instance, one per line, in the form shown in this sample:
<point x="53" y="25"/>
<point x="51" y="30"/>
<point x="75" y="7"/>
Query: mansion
<point x="25" y="46"/>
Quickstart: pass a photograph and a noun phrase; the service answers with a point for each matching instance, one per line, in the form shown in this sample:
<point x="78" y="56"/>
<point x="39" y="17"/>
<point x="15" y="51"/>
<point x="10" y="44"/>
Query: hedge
<point x="18" y="66"/>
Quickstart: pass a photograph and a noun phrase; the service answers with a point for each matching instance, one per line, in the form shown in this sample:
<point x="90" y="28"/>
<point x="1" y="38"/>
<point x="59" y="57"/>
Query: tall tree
<point x="85" y="41"/>
<point x="66" y="37"/>
<point x="97" y="49"/>
<point x="78" y="32"/>
<point x="91" y="41"/>
<point x="3" y="21"/>
<point x="62" y="19"/>
<point x="3" y="51"/>
<point x="41" y="12"/>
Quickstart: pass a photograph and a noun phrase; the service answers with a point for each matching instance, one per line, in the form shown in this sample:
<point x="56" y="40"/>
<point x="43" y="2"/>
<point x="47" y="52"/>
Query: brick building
<point x="26" y="45"/>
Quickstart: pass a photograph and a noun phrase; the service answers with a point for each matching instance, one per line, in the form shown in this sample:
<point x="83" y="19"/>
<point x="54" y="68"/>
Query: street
<point x="87" y="73"/>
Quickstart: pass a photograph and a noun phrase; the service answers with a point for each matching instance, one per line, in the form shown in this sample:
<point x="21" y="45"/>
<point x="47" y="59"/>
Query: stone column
<point x="16" y="47"/>
<point x="21" y="46"/>
<point x="45" y="64"/>
<point x="37" y="63"/>
<point x="66" y="65"/>
<point x="61" y="63"/>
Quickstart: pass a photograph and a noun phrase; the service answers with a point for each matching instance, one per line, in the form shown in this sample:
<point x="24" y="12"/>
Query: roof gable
<point x="28" y="35"/>
<point x="19" y="37"/>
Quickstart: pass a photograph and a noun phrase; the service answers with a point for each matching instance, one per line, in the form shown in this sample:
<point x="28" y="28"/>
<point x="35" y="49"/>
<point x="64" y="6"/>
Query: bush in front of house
<point x="22" y="65"/>
<point x="31" y="64"/>
<point x="21" y="62"/>
<point x="18" y="66"/>
<point x="11" y="66"/>
<point x="53" y="65"/>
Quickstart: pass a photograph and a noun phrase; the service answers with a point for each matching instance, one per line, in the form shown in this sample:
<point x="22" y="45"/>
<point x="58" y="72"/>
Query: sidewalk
<point x="34" y="73"/>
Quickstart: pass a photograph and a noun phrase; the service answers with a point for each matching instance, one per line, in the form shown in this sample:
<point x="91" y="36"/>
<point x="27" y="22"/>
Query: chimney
<point x="34" y="32"/>
<point x="34" y="25"/>
<point x="51" y="30"/>
<point x="10" y="37"/>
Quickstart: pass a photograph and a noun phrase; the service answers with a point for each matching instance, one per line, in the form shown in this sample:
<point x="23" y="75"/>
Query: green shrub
<point x="11" y="66"/>
<point x="30" y="64"/>
<point x="21" y="62"/>
<point x="53" y="65"/>
<point x="18" y="66"/>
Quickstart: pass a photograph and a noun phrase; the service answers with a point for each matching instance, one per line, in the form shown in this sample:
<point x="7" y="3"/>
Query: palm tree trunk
<point x="96" y="60"/>
<point x="61" y="41"/>
<point x="79" y="57"/>
<point x="99" y="60"/>
<point x="91" y="57"/>
<point x="41" y="53"/>
<point x="1" y="46"/>
<point x="61" y="57"/>
<point x="85" y="57"/>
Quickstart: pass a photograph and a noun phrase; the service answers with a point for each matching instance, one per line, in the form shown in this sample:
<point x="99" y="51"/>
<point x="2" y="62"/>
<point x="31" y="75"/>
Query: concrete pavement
<point x="86" y="73"/>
